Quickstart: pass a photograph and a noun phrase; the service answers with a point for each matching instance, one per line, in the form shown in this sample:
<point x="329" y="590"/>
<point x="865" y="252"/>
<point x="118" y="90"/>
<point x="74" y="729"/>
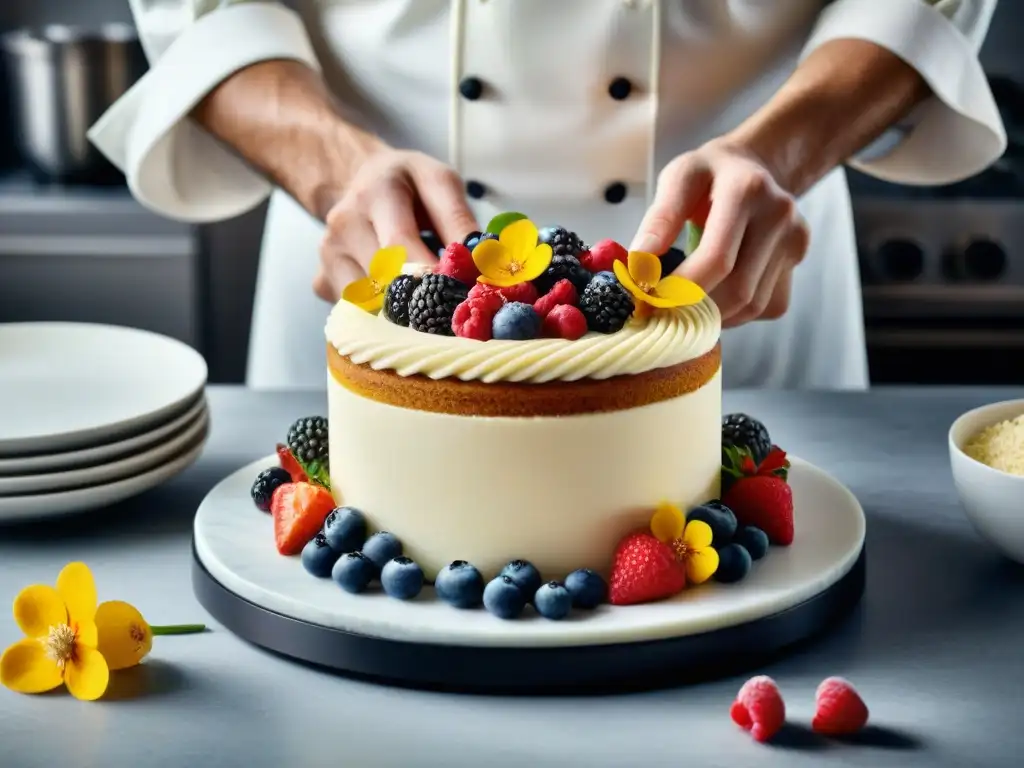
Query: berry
<point x="308" y="440"/>
<point x="457" y="262"/>
<point x="525" y="576"/>
<point x="562" y="241"/>
<point x="552" y="601"/>
<point x="474" y="317"/>
<point x="516" y="321"/>
<point x="719" y="518"/>
<point x="397" y="298"/>
<point x="401" y="578"/>
<point x="432" y="241"/>
<point x="671" y="260"/>
<point x="563" y="268"/>
<point x="503" y="598"/>
<point x="587" y="588"/>
<point x="759" y="708"/>
<point x="433" y="304"/>
<point x="562" y="292"/>
<point x="754" y="540"/>
<point x="317" y="556"/>
<point x="759" y="494"/>
<point x="742" y="431"/>
<point x="345" y="529"/>
<point x="381" y="547"/>
<point x="353" y="572"/>
<point x="460" y="585"/>
<point x="839" y="710"/>
<point x="473" y="239"/>
<point x="733" y="564"/>
<point x="606" y="305"/>
<point x="299" y="510"/>
<point x="290" y="464"/>
<point x="602" y="256"/>
<point x="644" y="570"/>
<point x="524" y="292"/>
<point x="564" y="322"/>
<point x="268" y="481"/>
<point x="604" y="277"/>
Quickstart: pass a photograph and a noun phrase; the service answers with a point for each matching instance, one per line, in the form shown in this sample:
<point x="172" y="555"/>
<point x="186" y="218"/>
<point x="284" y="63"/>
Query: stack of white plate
<point x="93" y="414"/>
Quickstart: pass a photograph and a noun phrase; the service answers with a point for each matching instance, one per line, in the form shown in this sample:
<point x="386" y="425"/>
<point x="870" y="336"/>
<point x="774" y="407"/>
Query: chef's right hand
<point x="392" y="197"/>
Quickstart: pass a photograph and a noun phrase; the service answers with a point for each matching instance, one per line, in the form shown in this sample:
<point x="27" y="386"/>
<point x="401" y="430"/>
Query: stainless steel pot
<point x="61" y="80"/>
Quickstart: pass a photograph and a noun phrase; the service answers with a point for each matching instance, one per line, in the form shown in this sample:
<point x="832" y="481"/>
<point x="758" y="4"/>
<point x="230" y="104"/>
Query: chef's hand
<point x="391" y="198"/>
<point x="753" y="234"/>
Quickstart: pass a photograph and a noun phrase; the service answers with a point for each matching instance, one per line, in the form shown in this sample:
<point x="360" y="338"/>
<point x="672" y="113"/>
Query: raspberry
<point x="602" y="256"/>
<point x="563" y="292"/>
<point x="564" y="322"/>
<point x="457" y="262"/>
<point x="473" y="317"/>
<point x="522" y="292"/>
<point x="840" y="710"/>
<point x="759" y="708"/>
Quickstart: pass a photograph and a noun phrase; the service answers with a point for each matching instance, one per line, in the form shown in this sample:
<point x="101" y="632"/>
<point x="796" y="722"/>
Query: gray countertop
<point x="935" y="647"/>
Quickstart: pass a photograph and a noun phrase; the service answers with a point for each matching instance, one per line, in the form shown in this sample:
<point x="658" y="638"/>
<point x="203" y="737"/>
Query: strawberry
<point x="602" y="256"/>
<point x="299" y="511"/>
<point x="644" y="570"/>
<point x="759" y="708"/>
<point x="760" y="495"/>
<point x="457" y="262"/>
<point x="840" y="711"/>
<point x="290" y="464"/>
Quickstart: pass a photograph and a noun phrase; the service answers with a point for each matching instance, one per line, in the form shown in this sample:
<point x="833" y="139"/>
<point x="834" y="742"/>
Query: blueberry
<point x="503" y="598"/>
<point x="553" y="601"/>
<point x="516" y="321"/>
<point x="353" y="572"/>
<point x="733" y="564"/>
<point x="432" y="241"/>
<point x="345" y="529"/>
<point x="587" y="588"/>
<point x="473" y="239"/>
<point x="401" y="578"/>
<point x="381" y="547"/>
<point x="754" y="540"/>
<point x="719" y="517"/>
<point x="460" y="585"/>
<point x="525" y="576"/>
<point x="607" y="277"/>
<point x="317" y="557"/>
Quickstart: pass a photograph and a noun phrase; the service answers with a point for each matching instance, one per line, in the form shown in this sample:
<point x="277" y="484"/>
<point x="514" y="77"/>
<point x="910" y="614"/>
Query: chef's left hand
<point x="753" y="234"/>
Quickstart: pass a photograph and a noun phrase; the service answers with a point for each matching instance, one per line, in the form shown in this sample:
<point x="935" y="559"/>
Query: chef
<point x="366" y="121"/>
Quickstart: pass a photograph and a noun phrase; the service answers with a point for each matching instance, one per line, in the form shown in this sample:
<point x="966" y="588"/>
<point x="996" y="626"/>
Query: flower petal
<point x="124" y="636"/>
<point x="697" y="535"/>
<point x="37" y="608"/>
<point x="520" y="237"/>
<point x="86" y="633"/>
<point x="77" y="589"/>
<point x="492" y="258"/>
<point x="361" y="292"/>
<point x="86" y="674"/>
<point x="622" y="273"/>
<point x="701" y="565"/>
<point x="536" y="263"/>
<point x="644" y="268"/>
<point x="26" y="668"/>
<point x="667" y="523"/>
<point x="387" y="264"/>
<point x="679" y="291"/>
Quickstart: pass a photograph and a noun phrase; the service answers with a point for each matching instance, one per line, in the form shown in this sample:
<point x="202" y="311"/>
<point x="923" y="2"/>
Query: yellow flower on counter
<point x="641" y="276"/>
<point x="515" y="257"/>
<point x="690" y="541"/>
<point x="368" y="292"/>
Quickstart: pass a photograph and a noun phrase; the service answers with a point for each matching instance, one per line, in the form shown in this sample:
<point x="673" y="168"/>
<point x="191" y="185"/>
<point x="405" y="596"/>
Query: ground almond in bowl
<point x="1000" y="446"/>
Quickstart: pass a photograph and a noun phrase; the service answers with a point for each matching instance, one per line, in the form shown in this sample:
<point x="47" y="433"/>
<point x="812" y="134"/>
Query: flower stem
<point x="178" y="629"/>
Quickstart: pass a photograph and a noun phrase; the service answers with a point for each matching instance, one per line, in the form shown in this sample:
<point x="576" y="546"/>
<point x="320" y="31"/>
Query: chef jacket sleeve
<point x="955" y="133"/>
<point x="172" y="165"/>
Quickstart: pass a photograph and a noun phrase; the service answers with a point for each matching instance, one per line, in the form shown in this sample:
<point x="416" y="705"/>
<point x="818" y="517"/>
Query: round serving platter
<point x="789" y="596"/>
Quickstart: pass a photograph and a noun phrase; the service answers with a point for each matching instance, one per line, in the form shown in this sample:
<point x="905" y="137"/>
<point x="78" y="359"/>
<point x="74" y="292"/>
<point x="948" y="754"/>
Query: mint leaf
<point x="692" y="233"/>
<point x="502" y="220"/>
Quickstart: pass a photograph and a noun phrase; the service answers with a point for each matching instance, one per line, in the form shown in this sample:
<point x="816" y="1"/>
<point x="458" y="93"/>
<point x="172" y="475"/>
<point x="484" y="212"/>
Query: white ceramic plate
<point x="18" y="509"/>
<point x="235" y="542"/>
<point x="65" y="386"/>
<point x="110" y="472"/>
<point x="91" y="457"/>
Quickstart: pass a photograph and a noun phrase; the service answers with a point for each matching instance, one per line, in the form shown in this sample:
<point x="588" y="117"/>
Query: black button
<point x="475" y="189"/>
<point x="471" y="88"/>
<point x="620" y="88"/>
<point x="615" y="193"/>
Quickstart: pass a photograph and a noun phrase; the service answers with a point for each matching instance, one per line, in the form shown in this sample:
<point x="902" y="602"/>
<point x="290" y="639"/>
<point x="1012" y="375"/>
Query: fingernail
<point x="646" y="243"/>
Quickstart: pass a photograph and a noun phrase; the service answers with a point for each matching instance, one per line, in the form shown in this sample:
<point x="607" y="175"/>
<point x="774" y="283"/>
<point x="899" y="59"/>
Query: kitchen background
<point x="942" y="268"/>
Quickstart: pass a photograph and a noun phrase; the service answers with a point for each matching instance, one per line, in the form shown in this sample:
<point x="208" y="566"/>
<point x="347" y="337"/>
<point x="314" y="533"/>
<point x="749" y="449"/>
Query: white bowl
<point x="993" y="499"/>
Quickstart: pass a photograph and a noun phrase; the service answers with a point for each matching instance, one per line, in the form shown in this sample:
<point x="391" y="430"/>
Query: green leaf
<point x="693" y="233"/>
<point x="318" y="473"/>
<point x="502" y="220"/>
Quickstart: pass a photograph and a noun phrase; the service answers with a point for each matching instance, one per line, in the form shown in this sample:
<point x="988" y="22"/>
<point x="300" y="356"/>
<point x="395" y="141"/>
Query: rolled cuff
<point x="173" y="166"/>
<point x="954" y="134"/>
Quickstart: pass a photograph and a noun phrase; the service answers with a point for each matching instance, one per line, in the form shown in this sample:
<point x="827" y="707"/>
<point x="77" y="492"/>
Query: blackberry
<point x="307" y="440"/>
<point x="742" y="431"/>
<point x="562" y="241"/>
<point x="268" y="481"/>
<point x="433" y="303"/>
<point x="606" y="305"/>
<point x="563" y="268"/>
<point x="396" y="300"/>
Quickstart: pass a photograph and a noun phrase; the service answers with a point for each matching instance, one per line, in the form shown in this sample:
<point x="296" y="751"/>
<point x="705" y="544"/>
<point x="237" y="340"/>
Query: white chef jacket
<point x="546" y="137"/>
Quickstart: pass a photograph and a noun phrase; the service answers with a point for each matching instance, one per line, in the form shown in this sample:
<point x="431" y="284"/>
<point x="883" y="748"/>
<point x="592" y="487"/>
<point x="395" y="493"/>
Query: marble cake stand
<point x="789" y="596"/>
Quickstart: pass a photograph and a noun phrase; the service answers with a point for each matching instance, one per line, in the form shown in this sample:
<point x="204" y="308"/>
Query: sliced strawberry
<point x="299" y="511"/>
<point x="644" y="570"/>
<point x="290" y="464"/>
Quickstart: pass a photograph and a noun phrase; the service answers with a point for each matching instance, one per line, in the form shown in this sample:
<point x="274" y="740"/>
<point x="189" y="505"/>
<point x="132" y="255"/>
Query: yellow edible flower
<point x="690" y="541"/>
<point x="368" y="292"/>
<point x="641" y="276"/>
<point x="515" y="257"/>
